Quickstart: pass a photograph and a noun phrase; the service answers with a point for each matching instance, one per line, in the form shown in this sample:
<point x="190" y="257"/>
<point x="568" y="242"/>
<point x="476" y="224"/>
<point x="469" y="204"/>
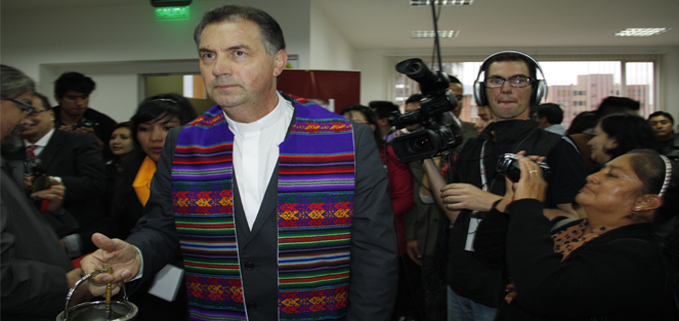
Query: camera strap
<point x="475" y="219"/>
<point x="482" y="168"/>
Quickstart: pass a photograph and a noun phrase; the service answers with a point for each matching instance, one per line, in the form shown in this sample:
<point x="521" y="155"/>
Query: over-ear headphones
<point x="539" y="85"/>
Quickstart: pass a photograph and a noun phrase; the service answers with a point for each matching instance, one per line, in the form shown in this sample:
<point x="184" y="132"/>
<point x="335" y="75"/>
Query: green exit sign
<point x="172" y="13"/>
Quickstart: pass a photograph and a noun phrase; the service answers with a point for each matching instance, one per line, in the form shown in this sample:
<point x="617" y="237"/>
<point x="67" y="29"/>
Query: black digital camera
<point x="441" y="130"/>
<point x="82" y="123"/>
<point x="508" y="165"/>
<point x="40" y="180"/>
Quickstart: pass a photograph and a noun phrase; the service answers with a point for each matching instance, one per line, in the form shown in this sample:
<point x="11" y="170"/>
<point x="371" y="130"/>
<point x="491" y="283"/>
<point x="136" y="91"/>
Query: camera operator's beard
<point x="14" y="141"/>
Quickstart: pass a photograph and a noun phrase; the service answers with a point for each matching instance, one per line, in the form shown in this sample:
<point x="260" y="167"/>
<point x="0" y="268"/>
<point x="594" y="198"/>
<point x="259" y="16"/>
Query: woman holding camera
<point x="606" y="267"/>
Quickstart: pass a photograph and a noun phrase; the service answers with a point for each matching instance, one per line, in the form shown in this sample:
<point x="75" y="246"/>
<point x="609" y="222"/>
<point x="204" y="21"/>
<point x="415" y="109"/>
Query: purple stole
<point x="315" y="207"/>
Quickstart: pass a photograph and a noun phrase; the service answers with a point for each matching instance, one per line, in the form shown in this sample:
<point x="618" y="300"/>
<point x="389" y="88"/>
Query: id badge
<point x="474" y="222"/>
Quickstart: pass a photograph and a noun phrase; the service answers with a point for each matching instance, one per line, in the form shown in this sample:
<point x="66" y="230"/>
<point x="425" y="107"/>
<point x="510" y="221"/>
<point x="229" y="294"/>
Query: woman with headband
<point x="154" y="118"/>
<point x="609" y="266"/>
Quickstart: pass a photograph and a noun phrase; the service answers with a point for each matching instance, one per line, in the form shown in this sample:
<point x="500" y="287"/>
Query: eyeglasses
<point x="516" y="82"/>
<point x="26" y="108"/>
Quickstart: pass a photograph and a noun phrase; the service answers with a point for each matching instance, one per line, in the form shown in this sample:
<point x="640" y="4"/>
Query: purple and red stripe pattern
<point x="315" y="208"/>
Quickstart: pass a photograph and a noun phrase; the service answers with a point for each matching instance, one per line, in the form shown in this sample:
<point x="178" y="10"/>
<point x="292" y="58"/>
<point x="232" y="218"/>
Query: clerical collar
<point x="271" y="118"/>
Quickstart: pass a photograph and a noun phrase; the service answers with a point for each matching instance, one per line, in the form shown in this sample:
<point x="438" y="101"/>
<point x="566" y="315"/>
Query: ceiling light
<point x="640" y="32"/>
<point x="420" y="3"/>
<point x="430" y="34"/>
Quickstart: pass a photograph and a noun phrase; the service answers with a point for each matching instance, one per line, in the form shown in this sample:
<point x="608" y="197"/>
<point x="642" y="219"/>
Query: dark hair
<point x="269" y="30"/>
<point x="511" y="56"/>
<point x="14" y="82"/>
<point x="629" y="131"/>
<point x="454" y="80"/>
<point x="662" y="113"/>
<point x="552" y="112"/>
<point x="167" y="105"/>
<point x="370" y="117"/>
<point x="583" y="121"/>
<point x="650" y="168"/>
<point x="383" y="108"/>
<point x="45" y="101"/>
<point x="73" y="81"/>
<point x="415" y="98"/>
<point x="127" y="124"/>
<point x="613" y="105"/>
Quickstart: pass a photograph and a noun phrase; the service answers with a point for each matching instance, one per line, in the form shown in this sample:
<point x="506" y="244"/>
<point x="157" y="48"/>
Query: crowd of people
<point x="275" y="208"/>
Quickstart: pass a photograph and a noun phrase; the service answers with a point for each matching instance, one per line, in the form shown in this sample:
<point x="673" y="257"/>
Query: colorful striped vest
<point x="315" y="206"/>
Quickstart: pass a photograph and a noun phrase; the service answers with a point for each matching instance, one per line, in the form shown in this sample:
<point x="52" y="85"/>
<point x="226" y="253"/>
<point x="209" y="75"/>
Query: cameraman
<point x="386" y="112"/>
<point x="72" y="91"/>
<point x="509" y="87"/>
<point x="421" y="231"/>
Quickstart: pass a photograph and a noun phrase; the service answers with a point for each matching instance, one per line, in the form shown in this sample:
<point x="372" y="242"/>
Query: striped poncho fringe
<point x="315" y="206"/>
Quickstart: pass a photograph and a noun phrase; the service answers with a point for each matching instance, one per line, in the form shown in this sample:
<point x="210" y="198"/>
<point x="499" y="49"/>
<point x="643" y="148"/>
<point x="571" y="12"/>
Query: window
<point x="569" y="77"/>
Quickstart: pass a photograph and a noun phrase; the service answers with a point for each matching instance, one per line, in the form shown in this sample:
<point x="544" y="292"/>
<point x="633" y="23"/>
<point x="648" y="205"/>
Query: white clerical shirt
<point x="255" y="154"/>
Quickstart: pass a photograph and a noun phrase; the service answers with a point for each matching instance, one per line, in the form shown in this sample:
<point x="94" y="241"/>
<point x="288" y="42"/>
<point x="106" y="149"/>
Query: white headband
<point x="668" y="175"/>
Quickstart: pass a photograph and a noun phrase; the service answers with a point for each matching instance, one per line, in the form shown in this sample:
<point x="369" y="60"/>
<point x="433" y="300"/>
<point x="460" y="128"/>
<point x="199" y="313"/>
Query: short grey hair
<point x="14" y="82"/>
<point x="269" y="30"/>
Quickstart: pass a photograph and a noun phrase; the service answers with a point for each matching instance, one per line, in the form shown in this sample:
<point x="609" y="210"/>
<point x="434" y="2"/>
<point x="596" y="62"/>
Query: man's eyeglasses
<point x="28" y="109"/>
<point x="516" y="82"/>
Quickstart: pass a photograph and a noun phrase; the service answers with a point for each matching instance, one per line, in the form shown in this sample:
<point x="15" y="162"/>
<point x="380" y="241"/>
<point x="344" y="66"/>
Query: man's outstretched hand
<point x="115" y="253"/>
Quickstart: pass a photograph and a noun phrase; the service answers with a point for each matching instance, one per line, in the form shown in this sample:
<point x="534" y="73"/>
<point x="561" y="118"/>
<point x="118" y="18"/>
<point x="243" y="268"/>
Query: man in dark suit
<point x="75" y="160"/>
<point x="280" y="208"/>
<point x="35" y="271"/>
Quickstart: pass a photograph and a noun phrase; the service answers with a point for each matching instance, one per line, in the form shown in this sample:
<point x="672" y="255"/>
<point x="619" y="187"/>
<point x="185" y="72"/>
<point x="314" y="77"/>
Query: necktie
<point x="31" y="151"/>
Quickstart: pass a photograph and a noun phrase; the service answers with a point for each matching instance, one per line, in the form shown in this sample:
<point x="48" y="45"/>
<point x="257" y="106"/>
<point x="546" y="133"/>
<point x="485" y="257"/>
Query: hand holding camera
<point x="83" y="126"/>
<point x="509" y="166"/>
<point x="525" y="178"/>
<point x="52" y="198"/>
<point x="48" y="193"/>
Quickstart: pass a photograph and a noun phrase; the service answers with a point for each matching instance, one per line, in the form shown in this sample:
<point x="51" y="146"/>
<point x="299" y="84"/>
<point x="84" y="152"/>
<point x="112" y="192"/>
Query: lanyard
<point x="484" y="182"/>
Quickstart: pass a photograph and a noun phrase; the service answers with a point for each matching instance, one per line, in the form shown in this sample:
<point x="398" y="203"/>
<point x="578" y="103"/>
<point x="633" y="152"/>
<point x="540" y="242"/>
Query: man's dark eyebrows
<point x="238" y="47"/>
<point x="500" y="77"/>
<point x="76" y="96"/>
<point x="232" y="48"/>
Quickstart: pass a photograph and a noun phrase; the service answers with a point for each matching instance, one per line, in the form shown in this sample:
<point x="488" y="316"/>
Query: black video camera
<point x="508" y="165"/>
<point x="82" y="123"/>
<point x="441" y="131"/>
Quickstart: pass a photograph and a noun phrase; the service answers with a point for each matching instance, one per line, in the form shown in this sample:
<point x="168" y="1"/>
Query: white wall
<point x="670" y="70"/>
<point x="329" y="49"/>
<point x="377" y="68"/>
<point x="113" y="45"/>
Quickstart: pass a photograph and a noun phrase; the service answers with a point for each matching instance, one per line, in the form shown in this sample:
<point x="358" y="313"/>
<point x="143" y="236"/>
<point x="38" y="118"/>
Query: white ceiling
<point x="386" y="24"/>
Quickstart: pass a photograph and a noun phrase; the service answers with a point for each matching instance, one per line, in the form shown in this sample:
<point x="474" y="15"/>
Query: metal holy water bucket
<point x="96" y="310"/>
